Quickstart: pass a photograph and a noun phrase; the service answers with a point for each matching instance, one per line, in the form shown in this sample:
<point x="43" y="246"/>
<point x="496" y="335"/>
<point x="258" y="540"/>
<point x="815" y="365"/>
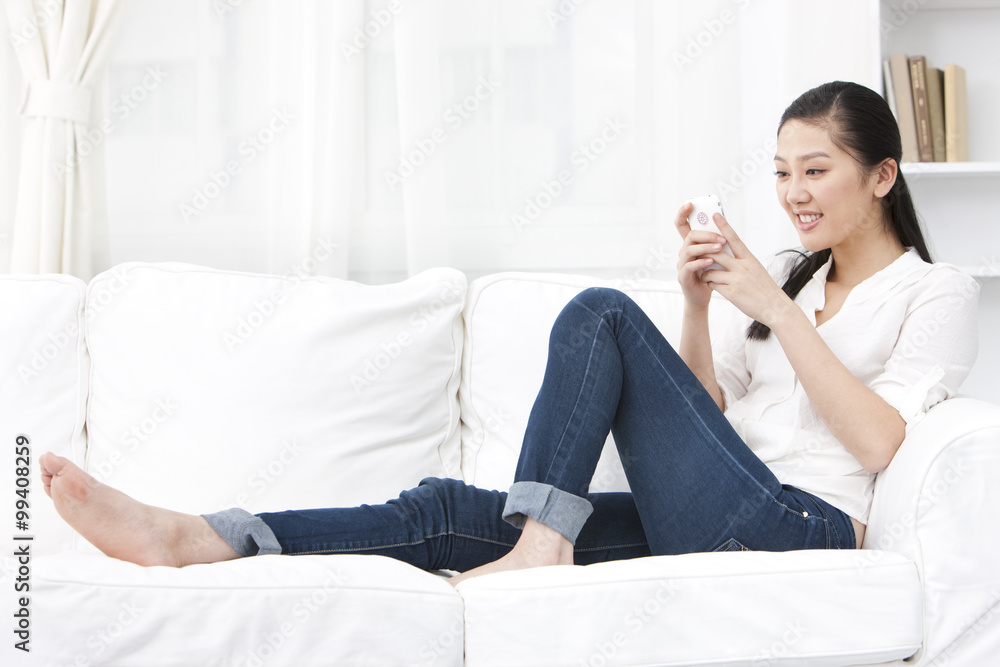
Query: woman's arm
<point x="867" y="426"/>
<point x="696" y="351"/>
<point x="696" y="346"/>
<point x="861" y="420"/>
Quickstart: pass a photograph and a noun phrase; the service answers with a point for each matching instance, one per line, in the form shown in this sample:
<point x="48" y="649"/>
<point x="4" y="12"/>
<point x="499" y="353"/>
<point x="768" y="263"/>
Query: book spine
<point x="904" y="106"/>
<point x="921" y="110"/>
<point x="956" y="123"/>
<point x="935" y="104"/>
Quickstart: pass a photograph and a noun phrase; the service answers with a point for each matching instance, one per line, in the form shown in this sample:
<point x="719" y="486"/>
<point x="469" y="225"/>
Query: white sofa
<point x="197" y="389"/>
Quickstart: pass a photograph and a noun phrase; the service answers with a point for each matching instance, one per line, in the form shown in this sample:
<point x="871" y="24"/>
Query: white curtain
<point x="420" y="133"/>
<point x="60" y="47"/>
<point x="523" y="135"/>
<point x="237" y="135"/>
<point x="370" y="139"/>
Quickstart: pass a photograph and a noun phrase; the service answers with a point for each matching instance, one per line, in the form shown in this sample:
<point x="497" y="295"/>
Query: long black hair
<point x="861" y="124"/>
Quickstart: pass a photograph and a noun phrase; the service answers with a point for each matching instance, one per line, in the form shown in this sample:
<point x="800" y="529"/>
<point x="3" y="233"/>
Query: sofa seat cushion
<point x="268" y="610"/>
<point x="728" y="608"/>
<point x="212" y="389"/>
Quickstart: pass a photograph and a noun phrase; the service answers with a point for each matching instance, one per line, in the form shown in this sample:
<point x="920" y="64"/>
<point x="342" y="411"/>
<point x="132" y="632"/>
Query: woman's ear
<point x="885" y="177"/>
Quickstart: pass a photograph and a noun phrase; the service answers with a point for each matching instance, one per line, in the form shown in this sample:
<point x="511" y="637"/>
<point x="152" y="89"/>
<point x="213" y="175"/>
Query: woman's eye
<point x="814" y="172"/>
<point x="780" y="174"/>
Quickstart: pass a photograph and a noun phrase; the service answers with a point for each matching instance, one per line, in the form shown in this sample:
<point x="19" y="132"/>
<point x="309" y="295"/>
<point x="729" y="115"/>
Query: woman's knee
<point x="601" y="299"/>
<point x="438" y="492"/>
<point x="435" y="487"/>
<point x="583" y="316"/>
<point x="429" y="499"/>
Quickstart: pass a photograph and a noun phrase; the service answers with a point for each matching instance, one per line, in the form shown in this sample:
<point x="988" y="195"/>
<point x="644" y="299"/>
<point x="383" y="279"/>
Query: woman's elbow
<point x="879" y="453"/>
<point x="876" y="465"/>
<point x="883" y="440"/>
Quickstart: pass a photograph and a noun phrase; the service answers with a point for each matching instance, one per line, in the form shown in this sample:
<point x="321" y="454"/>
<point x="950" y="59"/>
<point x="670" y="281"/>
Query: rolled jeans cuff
<point x="559" y="510"/>
<point x="247" y="534"/>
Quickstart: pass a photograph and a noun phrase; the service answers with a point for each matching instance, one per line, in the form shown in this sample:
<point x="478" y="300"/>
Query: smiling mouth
<point x="807" y="222"/>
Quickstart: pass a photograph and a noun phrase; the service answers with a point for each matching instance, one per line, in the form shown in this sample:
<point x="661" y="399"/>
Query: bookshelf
<point x="914" y="170"/>
<point x="958" y="201"/>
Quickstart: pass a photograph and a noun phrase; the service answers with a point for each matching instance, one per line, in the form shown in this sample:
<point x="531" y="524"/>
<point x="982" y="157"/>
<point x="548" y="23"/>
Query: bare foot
<point x="124" y="528"/>
<point x="538" y="546"/>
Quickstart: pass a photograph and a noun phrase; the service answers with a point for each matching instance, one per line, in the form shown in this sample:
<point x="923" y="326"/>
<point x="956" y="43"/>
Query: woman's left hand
<point x="745" y="282"/>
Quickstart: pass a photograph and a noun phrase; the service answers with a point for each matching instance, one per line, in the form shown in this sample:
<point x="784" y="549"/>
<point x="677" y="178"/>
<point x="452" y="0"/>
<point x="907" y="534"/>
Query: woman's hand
<point x="693" y="259"/>
<point x="745" y="282"/>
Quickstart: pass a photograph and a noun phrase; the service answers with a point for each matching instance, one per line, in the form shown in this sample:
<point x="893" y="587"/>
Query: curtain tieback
<point x="55" y="99"/>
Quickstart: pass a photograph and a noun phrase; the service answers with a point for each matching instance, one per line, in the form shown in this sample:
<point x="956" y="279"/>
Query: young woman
<point x="771" y="441"/>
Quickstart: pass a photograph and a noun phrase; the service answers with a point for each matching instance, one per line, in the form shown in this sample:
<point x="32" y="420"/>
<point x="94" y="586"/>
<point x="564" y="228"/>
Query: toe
<point x="52" y="464"/>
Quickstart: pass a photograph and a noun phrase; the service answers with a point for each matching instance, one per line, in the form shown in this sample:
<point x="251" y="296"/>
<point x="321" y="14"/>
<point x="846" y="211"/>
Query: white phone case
<point x="701" y="218"/>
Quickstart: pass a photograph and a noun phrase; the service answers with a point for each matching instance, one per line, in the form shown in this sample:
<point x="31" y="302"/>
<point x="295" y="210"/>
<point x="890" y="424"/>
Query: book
<point x="903" y="92"/>
<point x="956" y="114"/>
<point x="921" y="108"/>
<point x="887" y="90"/>
<point x="935" y="104"/>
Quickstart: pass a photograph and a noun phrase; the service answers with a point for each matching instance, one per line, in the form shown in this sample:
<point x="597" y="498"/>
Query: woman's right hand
<point x="694" y="258"/>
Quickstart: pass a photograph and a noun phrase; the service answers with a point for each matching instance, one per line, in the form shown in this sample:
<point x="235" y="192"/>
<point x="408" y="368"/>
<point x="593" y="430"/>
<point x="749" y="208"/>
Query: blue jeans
<point x="695" y="485"/>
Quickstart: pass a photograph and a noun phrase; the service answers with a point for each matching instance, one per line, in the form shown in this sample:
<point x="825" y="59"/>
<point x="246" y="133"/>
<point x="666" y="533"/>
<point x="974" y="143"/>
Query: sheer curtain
<point x="563" y="135"/>
<point x="406" y="135"/>
<point x="236" y="135"/>
<point x="370" y="139"/>
<point x="523" y="136"/>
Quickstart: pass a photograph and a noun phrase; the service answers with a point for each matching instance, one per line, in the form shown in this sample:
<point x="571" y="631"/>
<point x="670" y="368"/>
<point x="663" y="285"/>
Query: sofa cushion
<point x="212" y="389"/>
<point x="736" y="608"/>
<point x="508" y="318"/>
<point x="270" y="610"/>
<point x="43" y="377"/>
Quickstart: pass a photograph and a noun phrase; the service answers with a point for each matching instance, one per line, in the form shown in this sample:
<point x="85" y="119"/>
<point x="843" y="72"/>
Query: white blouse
<point x="908" y="332"/>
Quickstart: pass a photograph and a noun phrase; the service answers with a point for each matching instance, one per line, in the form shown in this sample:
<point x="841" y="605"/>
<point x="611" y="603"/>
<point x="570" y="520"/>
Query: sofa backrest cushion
<point x="43" y="376"/>
<point x="508" y="317"/>
<point x="213" y="389"/>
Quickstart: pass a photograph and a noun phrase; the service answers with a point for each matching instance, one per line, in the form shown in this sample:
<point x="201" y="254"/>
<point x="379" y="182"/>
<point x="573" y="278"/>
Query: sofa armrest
<point x="935" y="504"/>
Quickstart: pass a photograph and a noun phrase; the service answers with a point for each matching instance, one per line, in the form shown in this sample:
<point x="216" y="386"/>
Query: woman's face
<point x="821" y="189"/>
